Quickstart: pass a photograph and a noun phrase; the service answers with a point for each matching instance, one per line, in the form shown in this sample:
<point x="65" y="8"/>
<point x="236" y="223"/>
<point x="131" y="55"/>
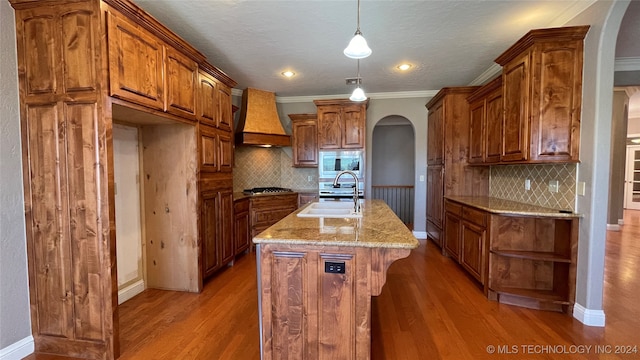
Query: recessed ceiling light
<point x="404" y="67"/>
<point x="288" y="73"/>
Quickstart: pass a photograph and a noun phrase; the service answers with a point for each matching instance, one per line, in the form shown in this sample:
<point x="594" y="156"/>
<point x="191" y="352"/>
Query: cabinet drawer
<point x="474" y="216"/>
<point x="453" y="208"/>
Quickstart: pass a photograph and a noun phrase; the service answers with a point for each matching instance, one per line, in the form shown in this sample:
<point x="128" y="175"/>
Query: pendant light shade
<point x="357" y="48"/>
<point x="358" y="95"/>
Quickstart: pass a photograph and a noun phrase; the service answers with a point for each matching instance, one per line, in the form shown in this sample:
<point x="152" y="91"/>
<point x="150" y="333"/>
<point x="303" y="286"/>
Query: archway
<point x="393" y="165"/>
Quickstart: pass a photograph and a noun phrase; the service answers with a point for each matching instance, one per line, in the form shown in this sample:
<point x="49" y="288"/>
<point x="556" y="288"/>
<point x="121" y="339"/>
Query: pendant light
<point x="358" y="94"/>
<point x="358" y="48"/>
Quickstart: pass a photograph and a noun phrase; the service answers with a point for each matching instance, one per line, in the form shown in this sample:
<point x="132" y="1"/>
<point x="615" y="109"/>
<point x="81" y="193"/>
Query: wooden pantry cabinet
<point x="341" y="124"/>
<point x="304" y="139"/>
<point x="447" y="149"/>
<point x="542" y="96"/>
<point x="81" y="63"/>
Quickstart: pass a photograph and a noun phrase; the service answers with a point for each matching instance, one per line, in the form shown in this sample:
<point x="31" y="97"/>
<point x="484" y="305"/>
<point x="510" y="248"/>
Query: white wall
<point x="634" y="126"/>
<point x="15" y="326"/>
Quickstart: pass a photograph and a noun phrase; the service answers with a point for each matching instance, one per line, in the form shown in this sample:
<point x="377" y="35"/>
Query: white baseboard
<point x="18" y="350"/>
<point x="130" y="291"/>
<point x="613" y="227"/>
<point x="588" y="317"/>
<point x="421" y="235"/>
<point x="620" y="221"/>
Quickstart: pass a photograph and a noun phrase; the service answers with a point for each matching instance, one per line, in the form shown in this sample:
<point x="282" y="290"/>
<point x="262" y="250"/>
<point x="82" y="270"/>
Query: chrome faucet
<point x="356" y="203"/>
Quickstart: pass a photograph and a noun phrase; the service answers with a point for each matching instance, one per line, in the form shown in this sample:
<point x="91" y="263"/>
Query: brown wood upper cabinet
<point x="341" y="124"/>
<point x="181" y="75"/>
<point x="485" y="123"/>
<point x="542" y="95"/>
<point x="304" y="139"/>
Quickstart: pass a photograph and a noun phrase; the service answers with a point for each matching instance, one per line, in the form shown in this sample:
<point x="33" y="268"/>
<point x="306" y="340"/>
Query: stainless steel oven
<point x="344" y="191"/>
<point x="330" y="163"/>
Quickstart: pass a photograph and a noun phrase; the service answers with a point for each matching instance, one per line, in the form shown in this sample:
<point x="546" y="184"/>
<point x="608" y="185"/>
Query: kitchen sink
<point x="330" y="209"/>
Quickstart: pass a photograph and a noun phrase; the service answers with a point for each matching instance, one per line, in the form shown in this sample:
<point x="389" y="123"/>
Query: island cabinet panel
<point x="181" y="75"/>
<point x="135" y="63"/>
<point x="304" y="138"/>
<point x="542" y="94"/>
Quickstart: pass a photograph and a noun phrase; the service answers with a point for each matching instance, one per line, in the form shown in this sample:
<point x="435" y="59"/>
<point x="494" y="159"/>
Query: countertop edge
<point x="524" y="210"/>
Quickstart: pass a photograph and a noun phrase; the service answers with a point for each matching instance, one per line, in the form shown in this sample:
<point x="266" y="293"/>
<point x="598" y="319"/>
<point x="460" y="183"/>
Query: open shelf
<point x="533" y="255"/>
<point x="540" y="295"/>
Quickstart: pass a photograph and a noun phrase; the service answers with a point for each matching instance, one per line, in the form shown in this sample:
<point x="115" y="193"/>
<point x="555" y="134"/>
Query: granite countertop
<point x="508" y="207"/>
<point x="379" y="227"/>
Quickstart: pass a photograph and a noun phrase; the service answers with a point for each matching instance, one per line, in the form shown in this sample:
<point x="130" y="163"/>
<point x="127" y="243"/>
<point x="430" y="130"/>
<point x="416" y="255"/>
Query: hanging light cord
<point x="359" y="81"/>
<point x="358" y="28"/>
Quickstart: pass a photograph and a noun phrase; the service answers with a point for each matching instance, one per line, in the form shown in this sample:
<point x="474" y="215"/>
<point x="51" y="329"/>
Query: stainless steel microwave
<point x="330" y="163"/>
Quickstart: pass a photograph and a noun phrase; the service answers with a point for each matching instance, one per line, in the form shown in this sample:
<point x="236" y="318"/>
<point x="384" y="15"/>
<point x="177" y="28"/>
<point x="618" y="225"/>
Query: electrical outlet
<point x="421" y="177"/>
<point x="553" y="186"/>
<point x="310" y="178"/>
<point x="527" y="184"/>
<point x="581" y="188"/>
<point x="334" y="267"/>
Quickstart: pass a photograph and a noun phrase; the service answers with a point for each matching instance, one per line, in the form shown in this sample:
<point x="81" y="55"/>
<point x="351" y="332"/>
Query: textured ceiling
<point x="450" y="43"/>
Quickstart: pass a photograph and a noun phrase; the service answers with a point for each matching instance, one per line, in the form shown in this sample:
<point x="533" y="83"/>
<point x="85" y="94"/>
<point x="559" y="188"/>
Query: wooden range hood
<point x="259" y="121"/>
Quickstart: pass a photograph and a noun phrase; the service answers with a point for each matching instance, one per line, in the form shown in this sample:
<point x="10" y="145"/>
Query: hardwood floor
<point x="428" y="309"/>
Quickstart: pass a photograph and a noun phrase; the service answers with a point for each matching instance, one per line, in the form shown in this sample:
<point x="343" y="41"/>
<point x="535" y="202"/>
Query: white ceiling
<point x="450" y="43"/>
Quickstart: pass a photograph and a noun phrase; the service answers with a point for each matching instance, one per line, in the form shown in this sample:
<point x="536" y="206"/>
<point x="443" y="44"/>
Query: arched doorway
<point x="393" y="165"/>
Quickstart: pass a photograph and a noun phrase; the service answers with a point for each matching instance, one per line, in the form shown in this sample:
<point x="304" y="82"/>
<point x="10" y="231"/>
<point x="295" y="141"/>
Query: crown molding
<point x="487" y="75"/>
<point x="383" y="95"/>
<point x="571" y="12"/>
<point x="627" y="64"/>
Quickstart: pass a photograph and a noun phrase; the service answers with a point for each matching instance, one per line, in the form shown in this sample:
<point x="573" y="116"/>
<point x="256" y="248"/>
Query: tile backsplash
<point x="259" y="167"/>
<point x="507" y="182"/>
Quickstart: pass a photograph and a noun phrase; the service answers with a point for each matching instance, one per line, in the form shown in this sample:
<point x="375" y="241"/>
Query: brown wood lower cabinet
<point x="525" y="260"/>
<point x="267" y="210"/>
<point x="306" y="197"/>
<point x="242" y="225"/>
<point x="217" y="230"/>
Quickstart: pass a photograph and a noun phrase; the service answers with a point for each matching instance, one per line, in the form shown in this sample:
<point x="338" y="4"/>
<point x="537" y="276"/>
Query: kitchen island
<point x="316" y="277"/>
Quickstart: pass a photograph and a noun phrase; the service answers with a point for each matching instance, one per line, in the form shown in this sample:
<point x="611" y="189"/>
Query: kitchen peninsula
<point x="316" y="277"/>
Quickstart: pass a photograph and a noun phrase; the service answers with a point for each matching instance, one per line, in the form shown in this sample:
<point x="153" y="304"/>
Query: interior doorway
<point x="392" y="167"/>
<point x="632" y="181"/>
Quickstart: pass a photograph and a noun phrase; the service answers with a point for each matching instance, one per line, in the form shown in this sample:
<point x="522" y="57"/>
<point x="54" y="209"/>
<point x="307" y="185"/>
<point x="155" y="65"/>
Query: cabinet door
<point x="435" y="136"/>
<point x="305" y="198"/>
<point x="353" y="126"/>
<point x="476" y="132"/>
<point x="305" y="145"/>
<point x="209" y="145"/>
<point x="329" y="127"/>
<point x="209" y="241"/>
<point x="493" y="127"/>
<point x="471" y="256"/>
<point x="556" y="101"/>
<point x="225" y="113"/>
<point x="452" y="235"/>
<point x="516" y="79"/>
<point x="135" y="64"/>
<point x="181" y="82"/>
<point x="242" y="226"/>
<point x="225" y="151"/>
<point x="434" y="203"/>
<point x="207" y="92"/>
<point x="225" y="226"/>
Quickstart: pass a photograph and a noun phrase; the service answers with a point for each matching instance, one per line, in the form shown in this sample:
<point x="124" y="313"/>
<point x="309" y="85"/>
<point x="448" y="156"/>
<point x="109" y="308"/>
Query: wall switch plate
<point x="553" y="186"/>
<point x="310" y="178"/>
<point x="421" y="177"/>
<point x="580" y="191"/>
<point x="527" y="184"/>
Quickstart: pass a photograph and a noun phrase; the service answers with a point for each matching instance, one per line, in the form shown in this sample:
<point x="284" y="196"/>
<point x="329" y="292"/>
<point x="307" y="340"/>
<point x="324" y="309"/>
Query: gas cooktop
<point x="264" y="190"/>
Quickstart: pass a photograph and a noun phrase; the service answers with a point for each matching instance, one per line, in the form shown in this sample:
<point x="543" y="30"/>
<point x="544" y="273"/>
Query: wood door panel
<point x="471" y="256"/>
<point x="81" y="152"/>
<point x="516" y="114"/>
<point x="329" y="128"/>
<point x="353" y="127"/>
<point x="181" y="76"/>
<point x="135" y="64"/>
<point x="208" y="150"/>
<point x="493" y="127"/>
<point x="452" y="235"/>
<point x="225" y="152"/>
<point x="207" y="93"/>
<point x="78" y="50"/>
<point x="242" y="229"/>
<point x="41" y="64"/>
<point x="304" y="137"/>
<point x="225" y="226"/>
<point x="209" y="218"/>
<point x="47" y="207"/>
<point x="477" y="120"/>
<point x="555" y="106"/>
<point x="225" y="113"/>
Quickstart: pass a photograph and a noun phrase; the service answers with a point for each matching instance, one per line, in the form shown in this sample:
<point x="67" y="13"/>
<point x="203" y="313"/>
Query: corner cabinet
<point x="341" y="124"/>
<point x="542" y="95"/>
<point x="304" y="139"/>
<point x="447" y="149"/>
<point x="81" y="62"/>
